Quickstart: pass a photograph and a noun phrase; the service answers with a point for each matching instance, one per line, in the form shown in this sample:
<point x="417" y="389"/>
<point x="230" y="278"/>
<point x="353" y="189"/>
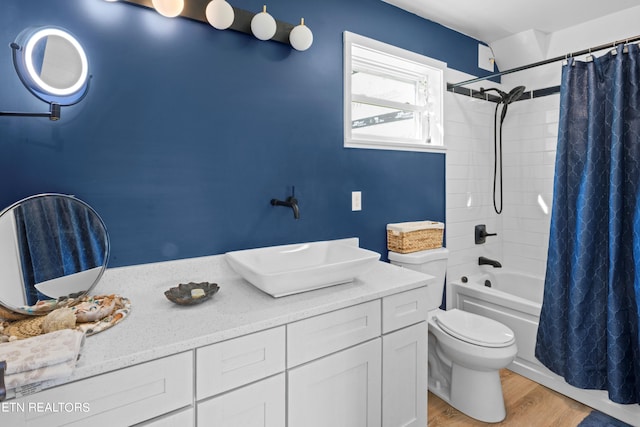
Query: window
<point x="392" y="97"/>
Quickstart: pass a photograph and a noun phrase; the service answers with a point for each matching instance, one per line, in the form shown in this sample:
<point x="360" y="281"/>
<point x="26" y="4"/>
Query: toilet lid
<point x="475" y="329"/>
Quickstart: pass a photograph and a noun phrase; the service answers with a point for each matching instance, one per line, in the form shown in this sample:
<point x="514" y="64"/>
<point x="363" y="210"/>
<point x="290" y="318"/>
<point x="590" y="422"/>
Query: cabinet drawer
<point x="317" y="336"/>
<point x="404" y="309"/>
<point x="239" y="361"/>
<point x="261" y="404"/>
<point x="130" y="396"/>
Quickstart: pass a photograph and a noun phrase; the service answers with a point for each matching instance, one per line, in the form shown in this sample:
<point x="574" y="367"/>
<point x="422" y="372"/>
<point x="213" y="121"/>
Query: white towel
<point x="41" y="358"/>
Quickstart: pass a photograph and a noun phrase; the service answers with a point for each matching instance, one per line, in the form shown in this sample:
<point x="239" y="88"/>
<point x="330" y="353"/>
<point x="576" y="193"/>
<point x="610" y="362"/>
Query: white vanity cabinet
<point x="374" y="379"/>
<point x="343" y="388"/>
<point x="359" y="363"/>
<point x="404" y="355"/>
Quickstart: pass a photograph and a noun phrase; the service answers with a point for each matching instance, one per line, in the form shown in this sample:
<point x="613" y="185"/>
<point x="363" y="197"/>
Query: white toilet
<point x="466" y="350"/>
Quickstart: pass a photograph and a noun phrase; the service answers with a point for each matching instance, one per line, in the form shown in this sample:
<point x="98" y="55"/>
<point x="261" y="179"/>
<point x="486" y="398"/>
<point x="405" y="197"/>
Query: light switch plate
<point x="356" y="200"/>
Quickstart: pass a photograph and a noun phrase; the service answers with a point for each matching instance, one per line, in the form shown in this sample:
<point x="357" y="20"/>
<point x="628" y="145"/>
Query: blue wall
<point x="187" y="132"/>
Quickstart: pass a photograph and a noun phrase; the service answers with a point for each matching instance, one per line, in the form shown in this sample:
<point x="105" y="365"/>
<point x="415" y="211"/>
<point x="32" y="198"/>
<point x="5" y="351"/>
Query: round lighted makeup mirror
<point x="53" y="248"/>
<point x="52" y="64"/>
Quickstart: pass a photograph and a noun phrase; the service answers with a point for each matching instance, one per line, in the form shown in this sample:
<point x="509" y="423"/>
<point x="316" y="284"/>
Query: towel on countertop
<point x="41" y="358"/>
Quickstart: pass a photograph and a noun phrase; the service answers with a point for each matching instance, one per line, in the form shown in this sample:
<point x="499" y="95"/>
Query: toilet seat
<point x="475" y="329"/>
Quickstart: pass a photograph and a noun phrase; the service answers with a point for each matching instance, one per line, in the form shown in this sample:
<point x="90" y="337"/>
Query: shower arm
<point x="502" y="94"/>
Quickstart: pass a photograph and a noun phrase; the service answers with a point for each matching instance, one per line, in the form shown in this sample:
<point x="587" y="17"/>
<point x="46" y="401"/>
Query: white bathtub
<point x="515" y="299"/>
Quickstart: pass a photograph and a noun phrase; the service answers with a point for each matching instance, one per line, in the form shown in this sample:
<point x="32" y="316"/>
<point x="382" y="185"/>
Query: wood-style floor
<point x="528" y="404"/>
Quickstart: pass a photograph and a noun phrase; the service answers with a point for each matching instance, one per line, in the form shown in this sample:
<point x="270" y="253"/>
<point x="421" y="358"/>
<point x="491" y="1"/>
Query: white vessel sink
<point x="290" y="269"/>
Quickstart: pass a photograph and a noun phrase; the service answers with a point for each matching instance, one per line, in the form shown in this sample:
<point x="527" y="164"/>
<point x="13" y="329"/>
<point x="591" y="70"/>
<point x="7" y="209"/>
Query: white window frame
<point x="436" y="72"/>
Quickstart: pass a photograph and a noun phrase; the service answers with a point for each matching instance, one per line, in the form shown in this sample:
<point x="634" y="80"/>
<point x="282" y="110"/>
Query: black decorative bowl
<point x="191" y="293"/>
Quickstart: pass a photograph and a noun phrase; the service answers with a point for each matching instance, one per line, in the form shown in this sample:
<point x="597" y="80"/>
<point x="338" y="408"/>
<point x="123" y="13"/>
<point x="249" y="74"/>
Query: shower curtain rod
<point x="545" y="62"/>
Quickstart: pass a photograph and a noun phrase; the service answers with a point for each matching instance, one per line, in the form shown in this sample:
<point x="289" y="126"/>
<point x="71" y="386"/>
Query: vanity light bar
<point x="196" y="10"/>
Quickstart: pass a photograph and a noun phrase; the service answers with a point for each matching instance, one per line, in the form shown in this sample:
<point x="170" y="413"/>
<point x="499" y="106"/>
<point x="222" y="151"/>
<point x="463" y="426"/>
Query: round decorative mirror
<point x="53" y="248"/>
<point x="52" y="64"/>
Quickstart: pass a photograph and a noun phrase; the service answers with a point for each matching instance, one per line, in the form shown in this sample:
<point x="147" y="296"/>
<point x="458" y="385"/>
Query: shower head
<point x="513" y="95"/>
<point x="507" y="98"/>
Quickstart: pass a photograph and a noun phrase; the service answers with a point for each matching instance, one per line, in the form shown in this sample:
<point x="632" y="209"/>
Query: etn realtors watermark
<point x="44" y="407"/>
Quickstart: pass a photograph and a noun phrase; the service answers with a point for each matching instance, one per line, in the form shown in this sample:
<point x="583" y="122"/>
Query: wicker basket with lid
<point x="406" y="237"/>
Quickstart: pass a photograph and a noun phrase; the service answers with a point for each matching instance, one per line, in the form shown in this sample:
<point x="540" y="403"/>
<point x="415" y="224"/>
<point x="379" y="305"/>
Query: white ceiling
<point x="491" y="20"/>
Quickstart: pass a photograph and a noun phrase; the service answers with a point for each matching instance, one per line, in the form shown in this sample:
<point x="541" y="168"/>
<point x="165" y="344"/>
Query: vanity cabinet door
<point x="261" y="404"/>
<point x="341" y="390"/>
<point x="404" y="377"/>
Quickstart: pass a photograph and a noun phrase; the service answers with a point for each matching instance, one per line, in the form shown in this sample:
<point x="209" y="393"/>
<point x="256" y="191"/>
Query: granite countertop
<point x="156" y="327"/>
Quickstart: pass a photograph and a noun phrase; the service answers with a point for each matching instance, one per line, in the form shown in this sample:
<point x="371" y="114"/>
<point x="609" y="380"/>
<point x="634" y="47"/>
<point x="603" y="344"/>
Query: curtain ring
<point x="589" y="56"/>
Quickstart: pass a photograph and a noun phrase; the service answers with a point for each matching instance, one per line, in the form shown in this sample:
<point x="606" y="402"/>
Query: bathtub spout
<point x="486" y="261"/>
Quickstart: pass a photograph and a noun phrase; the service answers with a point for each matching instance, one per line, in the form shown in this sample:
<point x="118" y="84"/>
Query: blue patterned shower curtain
<point x="588" y="330"/>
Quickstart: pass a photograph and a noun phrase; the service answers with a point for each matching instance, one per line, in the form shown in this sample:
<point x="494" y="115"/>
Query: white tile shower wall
<point x="529" y="143"/>
<point x="469" y="172"/>
<point x="530" y="139"/>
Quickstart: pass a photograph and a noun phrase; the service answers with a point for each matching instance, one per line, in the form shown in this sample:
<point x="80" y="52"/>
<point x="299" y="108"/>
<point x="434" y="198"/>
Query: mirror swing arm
<point x="53" y="114"/>
<point x="54" y="107"/>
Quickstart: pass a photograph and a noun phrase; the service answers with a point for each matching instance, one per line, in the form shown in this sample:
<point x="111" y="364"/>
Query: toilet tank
<point x="432" y="262"/>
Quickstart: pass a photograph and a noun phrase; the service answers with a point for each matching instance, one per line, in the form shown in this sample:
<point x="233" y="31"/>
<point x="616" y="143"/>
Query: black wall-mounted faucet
<point x="486" y="261"/>
<point x="290" y="202"/>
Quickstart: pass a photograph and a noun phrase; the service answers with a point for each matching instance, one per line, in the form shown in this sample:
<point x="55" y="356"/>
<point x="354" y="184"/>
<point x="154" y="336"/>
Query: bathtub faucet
<point x="481" y="234"/>
<point x="486" y="261"/>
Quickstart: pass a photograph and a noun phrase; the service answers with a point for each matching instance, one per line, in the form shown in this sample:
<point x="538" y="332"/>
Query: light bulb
<point x="301" y="36"/>
<point x="263" y="26"/>
<point x="219" y="14"/>
<point x="168" y="8"/>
